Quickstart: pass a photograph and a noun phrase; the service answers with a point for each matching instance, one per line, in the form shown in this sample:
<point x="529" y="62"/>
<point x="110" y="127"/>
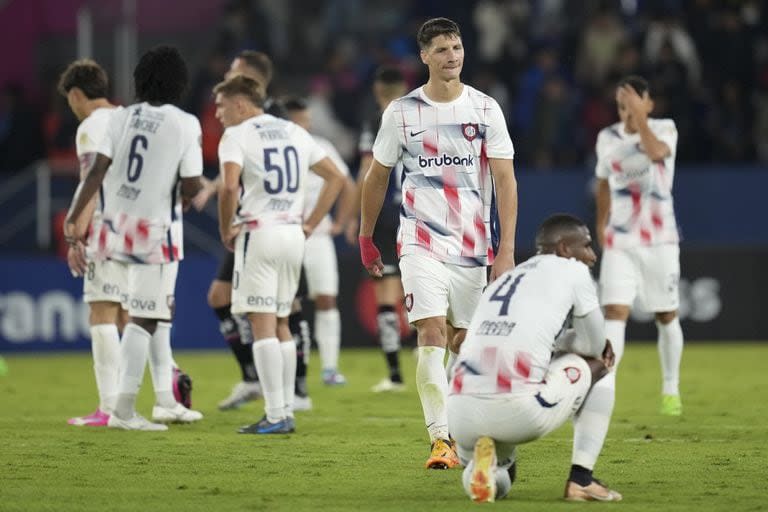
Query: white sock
<point x="432" y="385"/>
<point x="161" y="365"/>
<point x="590" y="425"/>
<point x="452" y="356"/>
<point x="269" y="365"/>
<point x="670" y="354"/>
<point x="615" y="331"/>
<point x="288" y="349"/>
<point x="134" y="348"/>
<point x="328" y="336"/>
<point x="105" y="345"/>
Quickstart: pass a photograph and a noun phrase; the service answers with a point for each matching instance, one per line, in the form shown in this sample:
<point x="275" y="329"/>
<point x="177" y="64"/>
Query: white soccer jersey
<point x="315" y="184"/>
<point x="447" y="184"/>
<point x="151" y="148"/>
<point x="510" y="340"/>
<point x="275" y="155"/>
<point x="642" y="210"/>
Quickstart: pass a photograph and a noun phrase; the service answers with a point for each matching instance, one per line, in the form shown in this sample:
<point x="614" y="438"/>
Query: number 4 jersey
<point x="510" y="340"/>
<point x="275" y="156"/>
<point x="152" y="148"/>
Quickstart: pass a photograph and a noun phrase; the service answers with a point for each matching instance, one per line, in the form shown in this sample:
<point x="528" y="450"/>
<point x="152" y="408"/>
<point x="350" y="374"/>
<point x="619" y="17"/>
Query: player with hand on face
<point x="519" y="378"/>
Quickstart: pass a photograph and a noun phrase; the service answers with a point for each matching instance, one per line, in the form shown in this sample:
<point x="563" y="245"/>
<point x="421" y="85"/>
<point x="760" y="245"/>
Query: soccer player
<point x="321" y="267"/>
<point x="388" y="85"/>
<point x="637" y="230"/>
<point x="85" y="85"/>
<point x="153" y="149"/>
<point x="453" y="143"/>
<point x="509" y="388"/>
<point x="262" y="225"/>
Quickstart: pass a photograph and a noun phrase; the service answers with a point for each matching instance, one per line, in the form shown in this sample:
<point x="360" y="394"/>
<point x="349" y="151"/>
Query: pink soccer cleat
<point x="95" y="419"/>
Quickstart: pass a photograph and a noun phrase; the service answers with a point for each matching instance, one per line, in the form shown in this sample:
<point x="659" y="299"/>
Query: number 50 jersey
<point x="513" y="330"/>
<point x="152" y="148"/>
<point x="275" y="156"/>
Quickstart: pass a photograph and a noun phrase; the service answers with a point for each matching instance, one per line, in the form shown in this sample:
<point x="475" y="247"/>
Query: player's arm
<point x="372" y="198"/>
<point x="603" y="209"/>
<point x="654" y="148"/>
<point x="506" y="198"/>
<point x="76" y="225"/>
<point x="334" y="182"/>
<point x="229" y="191"/>
<point x="86" y="163"/>
<point x="209" y="189"/>
<point x="590" y="338"/>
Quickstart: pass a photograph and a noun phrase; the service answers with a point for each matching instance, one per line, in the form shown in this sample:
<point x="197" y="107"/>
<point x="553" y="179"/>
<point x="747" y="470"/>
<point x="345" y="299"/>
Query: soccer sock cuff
<point x="269" y="363"/>
<point x="105" y="344"/>
<point x="288" y="349"/>
<point x="670" y="354"/>
<point x="580" y="475"/>
<point x="615" y="331"/>
<point x="432" y="385"/>
<point x="161" y="365"/>
<point x="328" y="337"/>
<point x="590" y="425"/>
<point x="134" y="349"/>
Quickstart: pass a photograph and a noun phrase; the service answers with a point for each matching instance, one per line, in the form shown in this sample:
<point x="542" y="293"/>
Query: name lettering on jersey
<point x="256" y="300"/>
<point x="500" y="328"/>
<point x="145" y="125"/>
<point x="111" y="290"/>
<point x="273" y="134"/>
<point x="143" y="305"/>
<point x="446" y="159"/>
<point x="128" y="192"/>
<point x="279" y="205"/>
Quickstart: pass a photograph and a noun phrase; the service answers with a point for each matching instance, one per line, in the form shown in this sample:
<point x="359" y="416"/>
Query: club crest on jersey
<point x="469" y="130"/>
<point x="409" y="302"/>
<point x="572" y="374"/>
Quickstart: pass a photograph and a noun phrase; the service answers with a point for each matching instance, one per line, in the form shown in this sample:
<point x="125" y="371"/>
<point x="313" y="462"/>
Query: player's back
<point x="512" y="333"/>
<point x="275" y="156"/>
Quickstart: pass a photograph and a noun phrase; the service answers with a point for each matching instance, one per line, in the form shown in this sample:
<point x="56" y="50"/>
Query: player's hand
<point x="229" y="235"/>
<point x="308" y="230"/>
<point x="76" y="259"/>
<point x="204" y="195"/>
<point x="370" y="256"/>
<point x="609" y="357"/>
<point x="504" y="261"/>
<point x="636" y="104"/>
<point x="350" y="234"/>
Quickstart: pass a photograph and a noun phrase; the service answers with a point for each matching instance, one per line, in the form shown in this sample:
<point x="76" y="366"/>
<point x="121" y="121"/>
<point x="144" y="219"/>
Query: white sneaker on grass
<point x="242" y="392"/>
<point x="136" y="422"/>
<point x="176" y="414"/>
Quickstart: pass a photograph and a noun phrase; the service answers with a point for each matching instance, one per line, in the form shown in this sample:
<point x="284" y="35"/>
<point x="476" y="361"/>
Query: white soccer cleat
<point x="176" y="414"/>
<point x="387" y="386"/>
<point x="136" y="422"/>
<point x="482" y="481"/>
<point x="302" y="403"/>
<point x="242" y="392"/>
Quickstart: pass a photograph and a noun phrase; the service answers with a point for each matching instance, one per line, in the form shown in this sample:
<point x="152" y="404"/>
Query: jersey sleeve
<point x="106" y="146"/>
<point x="192" y="158"/>
<point x="230" y="149"/>
<point x="499" y="144"/>
<point x="666" y="131"/>
<point x="584" y="291"/>
<point x="602" y="167"/>
<point x="387" y="148"/>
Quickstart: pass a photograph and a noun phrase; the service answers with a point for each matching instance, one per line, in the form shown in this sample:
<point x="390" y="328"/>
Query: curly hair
<point x="161" y="76"/>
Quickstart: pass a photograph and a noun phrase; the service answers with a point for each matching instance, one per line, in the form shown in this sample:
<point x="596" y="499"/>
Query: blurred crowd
<point x="551" y="64"/>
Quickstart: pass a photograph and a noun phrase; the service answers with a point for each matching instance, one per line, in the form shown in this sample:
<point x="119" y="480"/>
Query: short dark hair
<point x="436" y="27"/>
<point x="259" y="61"/>
<point x="389" y="75"/>
<point x="294" y="103"/>
<point x="554" y="227"/>
<point x="86" y="75"/>
<point x="161" y="76"/>
<point x="638" y="83"/>
<point x="241" y="85"/>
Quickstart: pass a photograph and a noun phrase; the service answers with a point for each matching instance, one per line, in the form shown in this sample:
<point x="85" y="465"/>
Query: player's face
<point x="625" y="113"/>
<point x="579" y="246"/>
<point x="75" y="102"/>
<point x="227" y="110"/>
<point x="385" y="93"/>
<point x="444" y="57"/>
<point x="301" y="118"/>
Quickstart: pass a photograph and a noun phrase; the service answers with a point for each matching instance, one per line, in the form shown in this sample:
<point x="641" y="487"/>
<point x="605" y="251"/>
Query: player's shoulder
<point x="478" y="96"/>
<point x="413" y="98"/>
<point x="611" y="132"/>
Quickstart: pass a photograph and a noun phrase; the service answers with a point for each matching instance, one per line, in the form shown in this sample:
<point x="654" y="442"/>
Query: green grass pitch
<point x="359" y="451"/>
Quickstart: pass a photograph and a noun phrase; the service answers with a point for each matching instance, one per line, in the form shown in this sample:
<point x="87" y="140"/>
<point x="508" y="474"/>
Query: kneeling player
<point x="510" y="389"/>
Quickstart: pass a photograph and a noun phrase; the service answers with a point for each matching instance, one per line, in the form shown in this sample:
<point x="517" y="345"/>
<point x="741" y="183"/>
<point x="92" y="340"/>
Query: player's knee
<point x="431" y="332"/>
<point x="454" y="343"/>
<point x="597" y="368"/>
<point x="666" y="317"/>
<point x="148" y="324"/>
<point x="325" y="302"/>
<point x="617" y="312"/>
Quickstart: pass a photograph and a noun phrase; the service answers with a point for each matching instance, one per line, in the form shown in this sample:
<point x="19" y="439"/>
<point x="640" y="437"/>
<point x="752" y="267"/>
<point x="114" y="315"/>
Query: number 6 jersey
<point x="152" y="148"/>
<point x="510" y="340"/>
<point x="275" y="156"/>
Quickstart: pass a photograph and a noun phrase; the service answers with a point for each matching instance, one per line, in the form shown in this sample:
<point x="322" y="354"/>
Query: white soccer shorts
<point x="522" y="416"/>
<point x="106" y="281"/>
<point x="433" y="288"/>
<point x="267" y="269"/>
<point x="321" y="268"/>
<point x="650" y="273"/>
<point x="151" y="290"/>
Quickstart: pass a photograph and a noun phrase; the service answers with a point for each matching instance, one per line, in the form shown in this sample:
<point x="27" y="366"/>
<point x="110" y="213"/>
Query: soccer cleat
<point x="482" y="484"/>
<point x="595" y="491"/>
<point x="176" y="414"/>
<point x="387" y="386"/>
<point x="241" y="393"/>
<point x="264" y="426"/>
<point x="95" y="419"/>
<point x="333" y="378"/>
<point x="136" y="422"/>
<point x="182" y="388"/>
<point x="443" y="455"/>
<point x="302" y="403"/>
<point x="671" y="405"/>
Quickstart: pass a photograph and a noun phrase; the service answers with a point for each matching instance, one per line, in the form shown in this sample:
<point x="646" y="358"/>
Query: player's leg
<point x="425" y="283"/>
<point x="619" y="282"/>
<point x="302" y="337"/>
<point x="465" y="289"/>
<point x="389" y="292"/>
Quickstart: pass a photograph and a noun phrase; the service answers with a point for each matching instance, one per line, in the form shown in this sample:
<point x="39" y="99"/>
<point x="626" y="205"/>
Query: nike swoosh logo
<point x="413" y="134"/>
<point x="543" y="402"/>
